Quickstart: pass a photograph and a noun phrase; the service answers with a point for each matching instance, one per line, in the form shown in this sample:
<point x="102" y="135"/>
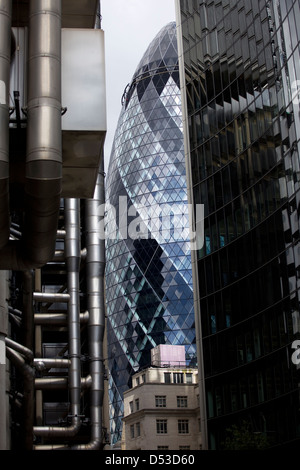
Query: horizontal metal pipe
<point x="27" y="353"/>
<point x="60" y="234"/>
<point x="50" y="297"/>
<point x="53" y="383"/>
<point x="57" y="318"/>
<point x="59" y="255"/>
<point x="20" y="362"/>
<point x="46" y="363"/>
<point x="58" y="431"/>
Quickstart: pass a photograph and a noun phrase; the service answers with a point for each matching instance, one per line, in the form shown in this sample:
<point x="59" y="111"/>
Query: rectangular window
<point x="138" y="429"/>
<point x="160" y="401"/>
<point x="131" y="406"/>
<point x="183" y="426"/>
<point x="167" y="377"/>
<point x="182" y="402"/>
<point x="137" y="381"/>
<point x="161" y="426"/>
<point x="137" y="404"/>
<point x="189" y="378"/>
<point x="178" y="378"/>
<point x="144" y="378"/>
<point x="132" y="431"/>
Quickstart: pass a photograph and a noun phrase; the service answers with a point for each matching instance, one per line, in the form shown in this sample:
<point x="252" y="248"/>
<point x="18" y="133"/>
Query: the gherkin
<point x="148" y="277"/>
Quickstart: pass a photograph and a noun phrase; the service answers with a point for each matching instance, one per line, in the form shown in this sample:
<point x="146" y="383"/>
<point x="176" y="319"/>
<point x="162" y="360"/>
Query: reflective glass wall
<point x="148" y="272"/>
<point x="242" y="72"/>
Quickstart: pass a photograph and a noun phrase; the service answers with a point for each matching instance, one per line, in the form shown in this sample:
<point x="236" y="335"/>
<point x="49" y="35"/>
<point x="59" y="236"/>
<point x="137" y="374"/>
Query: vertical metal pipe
<point x="44" y="138"/>
<point x="5" y="50"/>
<point x="95" y="265"/>
<point x="72" y="253"/>
<point x="28" y="324"/>
<point x="38" y="353"/>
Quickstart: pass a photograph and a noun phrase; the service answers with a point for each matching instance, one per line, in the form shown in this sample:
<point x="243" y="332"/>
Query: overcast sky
<point x="129" y="26"/>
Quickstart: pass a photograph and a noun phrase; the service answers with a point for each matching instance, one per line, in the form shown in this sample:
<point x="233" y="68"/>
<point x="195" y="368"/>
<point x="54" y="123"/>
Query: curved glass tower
<point x="242" y="74"/>
<point x="148" y="270"/>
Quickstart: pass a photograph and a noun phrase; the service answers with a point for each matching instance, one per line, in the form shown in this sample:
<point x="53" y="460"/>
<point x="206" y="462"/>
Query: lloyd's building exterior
<point x="53" y="125"/>
<point x="240" y="72"/>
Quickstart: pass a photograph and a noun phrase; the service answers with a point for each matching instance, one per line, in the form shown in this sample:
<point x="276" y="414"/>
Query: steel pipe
<point x="57" y="383"/>
<point x="50" y="383"/>
<point x="27" y="353"/>
<point x="49" y="363"/>
<point x="95" y="266"/>
<point x="50" y="297"/>
<point x="57" y="318"/>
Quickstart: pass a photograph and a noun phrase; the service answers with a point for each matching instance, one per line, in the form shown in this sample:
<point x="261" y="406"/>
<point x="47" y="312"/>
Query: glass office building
<point x="148" y="264"/>
<point x="241" y="64"/>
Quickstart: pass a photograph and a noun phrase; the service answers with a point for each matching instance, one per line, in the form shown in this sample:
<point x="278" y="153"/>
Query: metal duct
<point x="95" y="265"/>
<point x="72" y="248"/>
<point x="43" y="178"/>
<point x="5" y="46"/>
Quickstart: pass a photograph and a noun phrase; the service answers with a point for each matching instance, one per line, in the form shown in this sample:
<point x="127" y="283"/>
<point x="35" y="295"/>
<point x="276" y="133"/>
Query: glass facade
<point x="148" y="264"/>
<point x="242" y="73"/>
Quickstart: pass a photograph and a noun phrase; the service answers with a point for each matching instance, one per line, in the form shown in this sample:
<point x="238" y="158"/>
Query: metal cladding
<point x="241" y="81"/>
<point x="148" y="279"/>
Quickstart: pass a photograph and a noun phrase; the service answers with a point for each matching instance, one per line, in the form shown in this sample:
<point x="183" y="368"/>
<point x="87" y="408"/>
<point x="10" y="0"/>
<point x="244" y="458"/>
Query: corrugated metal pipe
<point x="72" y="247"/>
<point x="43" y="174"/>
<point x="5" y="48"/>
